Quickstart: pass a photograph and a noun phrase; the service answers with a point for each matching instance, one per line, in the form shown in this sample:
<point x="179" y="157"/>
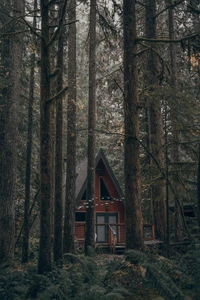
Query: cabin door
<point x="102" y="229"/>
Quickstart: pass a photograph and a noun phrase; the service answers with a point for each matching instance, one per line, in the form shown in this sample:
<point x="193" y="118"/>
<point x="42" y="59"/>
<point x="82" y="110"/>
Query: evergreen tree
<point x="69" y="226"/>
<point x="11" y="61"/>
<point x="25" y="246"/>
<point x="134" y="226"/>
<point x="155" y="126"/>
<point x="89" y="231"/>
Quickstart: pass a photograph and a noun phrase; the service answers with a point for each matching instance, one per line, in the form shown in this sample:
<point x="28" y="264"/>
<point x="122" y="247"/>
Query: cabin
<point x="109" y="210"/>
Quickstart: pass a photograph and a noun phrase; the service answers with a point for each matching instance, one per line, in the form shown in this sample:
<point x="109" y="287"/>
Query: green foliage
<point x="136" y="257"/>
<point x="163" y="282"/>
<point x="106" y="277"/>
<point x="114" y="296"/>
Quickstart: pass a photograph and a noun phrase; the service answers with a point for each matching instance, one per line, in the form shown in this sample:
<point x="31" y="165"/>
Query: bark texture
<point x="134" y="224"/>
<point x="198" y="190"/>
<point x="10" y="99"/>
<point x="69" y="225"/>
<point x="156" y="127"/>
<point x="90" y="228"/>
<point x="44" y="263"/>
<point x="58" y="212"/>
<point x="175" y="137"/>
<point x="25" y="245"/>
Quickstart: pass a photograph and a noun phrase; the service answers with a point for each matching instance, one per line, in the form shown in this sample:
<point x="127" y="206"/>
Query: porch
<point x="111" y="235"/>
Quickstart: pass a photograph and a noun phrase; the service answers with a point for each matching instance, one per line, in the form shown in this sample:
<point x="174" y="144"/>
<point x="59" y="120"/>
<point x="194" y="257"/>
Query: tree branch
<point x="173" y="5"/>
<point x="194" y="9"/>
<point x="157" y="40"/>
<point x="51" y="99"/>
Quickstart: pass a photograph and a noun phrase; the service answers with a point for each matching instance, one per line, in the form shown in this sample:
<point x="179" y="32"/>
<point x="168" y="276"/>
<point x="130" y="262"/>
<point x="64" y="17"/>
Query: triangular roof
<point x="81" y="171"/>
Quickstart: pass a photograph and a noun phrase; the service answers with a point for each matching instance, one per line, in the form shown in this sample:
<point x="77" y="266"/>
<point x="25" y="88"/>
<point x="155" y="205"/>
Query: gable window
<point x="84" y="196"/>
<point x="104" y="193"/>
<point x="80" y="216"/>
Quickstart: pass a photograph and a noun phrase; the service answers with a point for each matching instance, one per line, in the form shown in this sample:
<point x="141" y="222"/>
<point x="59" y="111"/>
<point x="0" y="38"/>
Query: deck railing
<point x="114" y="232"/>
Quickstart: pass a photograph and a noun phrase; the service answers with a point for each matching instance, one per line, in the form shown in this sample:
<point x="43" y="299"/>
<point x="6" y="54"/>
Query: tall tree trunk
<point x="58" y="213"/>
<point x="44" y="263"/>
<point x="156" y="127"/>
<point x="198" y="190"/>
<point x="134" y="225"/>
<point x="90" y="227"/>
<point x="25" y="245"/>
<point x="70" y="199"/>
<point x="9" y="134"/>
<point x="174" y="112"/>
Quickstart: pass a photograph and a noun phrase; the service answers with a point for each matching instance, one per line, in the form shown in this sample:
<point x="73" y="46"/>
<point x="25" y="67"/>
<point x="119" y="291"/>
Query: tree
<point x="89" y="231"/>
<point x="10" y="97"/>
<point x="134" y="226"/>
<point x="25" y="246"/>
<point x="58" y="212"/>
<point x="156" y="126"/>
<point x="44" y="263"/>
<point x="71" y="135"/>
<point x="174" y="112"/>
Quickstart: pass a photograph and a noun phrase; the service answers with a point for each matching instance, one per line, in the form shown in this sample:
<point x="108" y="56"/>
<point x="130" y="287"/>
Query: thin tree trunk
<point x="8" y="149"/>
<point x="58" y="213"/>
<point x="70" y="199"/>
<point x="134" y="225"/>
<point x="174" y="112"/>
<point x="25" y="245"/>
<point x="90" y="228"/>
<point x="44" y="263"/>
<point x="156" y="128"/>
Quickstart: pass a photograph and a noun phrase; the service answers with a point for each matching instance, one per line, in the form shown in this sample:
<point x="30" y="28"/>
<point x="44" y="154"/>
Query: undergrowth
<point x="106" y="277"/>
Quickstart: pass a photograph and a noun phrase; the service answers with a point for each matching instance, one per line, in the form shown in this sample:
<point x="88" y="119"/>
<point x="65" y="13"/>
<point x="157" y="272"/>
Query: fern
<point x="136" y="257"/>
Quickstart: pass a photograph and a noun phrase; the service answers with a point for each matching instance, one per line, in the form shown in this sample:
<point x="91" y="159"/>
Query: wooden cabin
<point x="109" y="210"/>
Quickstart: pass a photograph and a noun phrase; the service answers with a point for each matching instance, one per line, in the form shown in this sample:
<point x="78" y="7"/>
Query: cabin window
<point x="80" y="216"/>
<point x="104" y="193"/>
<point x="84" y="196"/>
<point x="102" y="226"/>
<point x="148" y="231"/>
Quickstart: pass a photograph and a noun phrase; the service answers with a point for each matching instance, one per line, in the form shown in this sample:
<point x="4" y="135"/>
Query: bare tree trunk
<point x="9" y="134"/>
<point x="156" y="128"/>
<point x="70" y="199"/>
<point x="44" y="263"/>
<point x="174" y="112"/>
<point x="198" y="190"/>
<point x="134" y="224"/>
<point x="90" y="228"/>
<point x="25" y="245"/>
<point x="58" y="213"/>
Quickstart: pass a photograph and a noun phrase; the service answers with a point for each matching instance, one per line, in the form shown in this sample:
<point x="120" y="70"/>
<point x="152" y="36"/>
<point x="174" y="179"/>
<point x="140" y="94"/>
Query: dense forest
<point x="77" y="76"/>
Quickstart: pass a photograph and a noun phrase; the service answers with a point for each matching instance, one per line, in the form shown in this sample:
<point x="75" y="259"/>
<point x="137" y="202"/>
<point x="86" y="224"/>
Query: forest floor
<point x="134" y="275"/>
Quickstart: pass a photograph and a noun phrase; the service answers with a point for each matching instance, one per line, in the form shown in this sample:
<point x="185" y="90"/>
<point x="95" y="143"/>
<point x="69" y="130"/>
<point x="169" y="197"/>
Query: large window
<point x="104" y="193"/>
<point x="104" y="220"/>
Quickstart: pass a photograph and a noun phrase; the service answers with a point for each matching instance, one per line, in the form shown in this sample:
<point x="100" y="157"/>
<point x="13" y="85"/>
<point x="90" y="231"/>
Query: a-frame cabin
<point x="109" y="207"/>
<point x="109" y="210"/>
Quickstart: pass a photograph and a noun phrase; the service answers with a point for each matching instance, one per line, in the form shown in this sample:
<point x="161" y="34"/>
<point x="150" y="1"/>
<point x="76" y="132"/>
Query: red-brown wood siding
<point x="104" y="206"/>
